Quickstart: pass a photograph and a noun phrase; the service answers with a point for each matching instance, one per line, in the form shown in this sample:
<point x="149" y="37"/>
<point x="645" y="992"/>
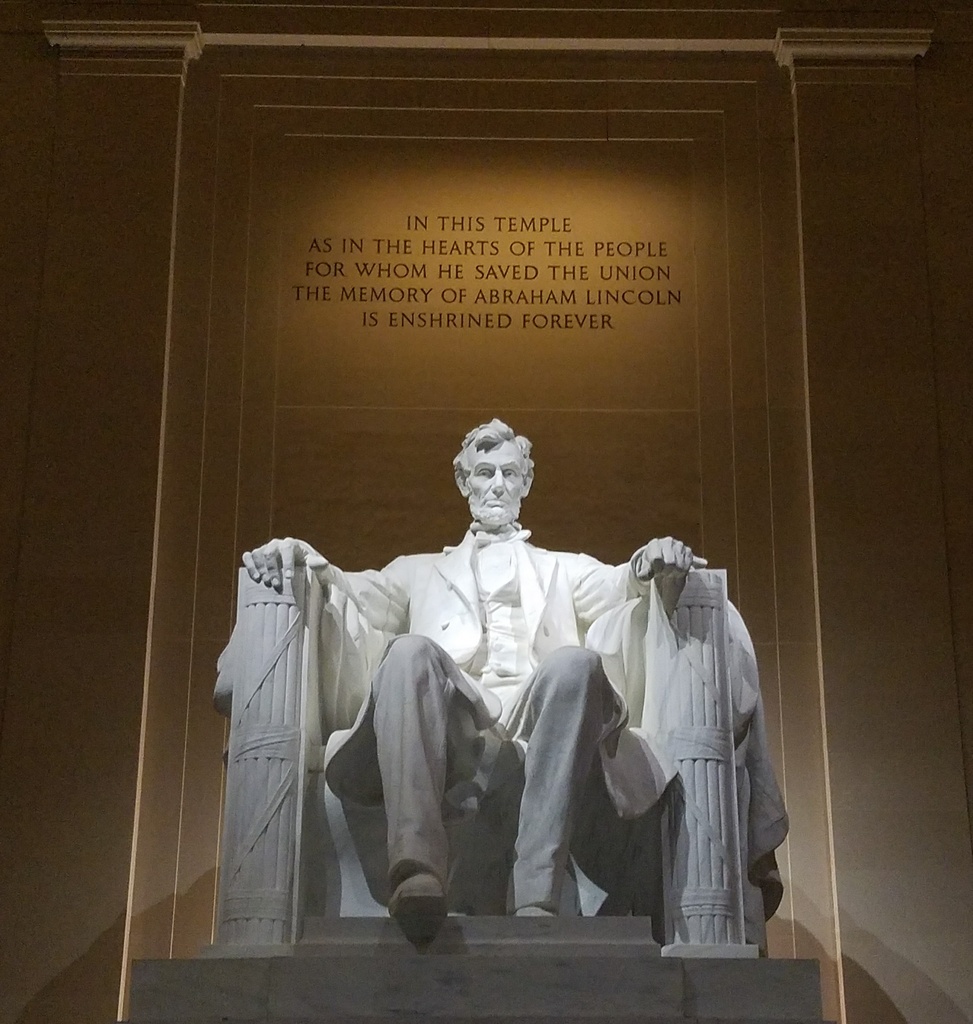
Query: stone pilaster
<point x="82" y="577"/>
<point x="897" y="804"/>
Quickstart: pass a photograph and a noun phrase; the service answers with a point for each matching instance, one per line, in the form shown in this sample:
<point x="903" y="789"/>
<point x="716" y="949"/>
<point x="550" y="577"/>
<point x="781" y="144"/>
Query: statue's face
<point x="497" y="485"/>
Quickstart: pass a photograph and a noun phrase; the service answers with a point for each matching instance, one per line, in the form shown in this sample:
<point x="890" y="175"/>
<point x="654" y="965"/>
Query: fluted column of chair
<point x="704" y="894"/>
<point x="263" y="772"/>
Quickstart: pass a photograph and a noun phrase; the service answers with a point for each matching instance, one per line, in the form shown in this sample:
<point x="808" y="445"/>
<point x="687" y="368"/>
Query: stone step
<point x="636" y="1018"/>
<point x="491" y="971"/>
<point x="465" y="936"/>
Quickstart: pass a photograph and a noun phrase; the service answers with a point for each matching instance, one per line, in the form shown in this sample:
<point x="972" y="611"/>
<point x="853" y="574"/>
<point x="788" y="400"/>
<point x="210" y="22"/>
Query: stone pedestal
<point x="485" y="969"/>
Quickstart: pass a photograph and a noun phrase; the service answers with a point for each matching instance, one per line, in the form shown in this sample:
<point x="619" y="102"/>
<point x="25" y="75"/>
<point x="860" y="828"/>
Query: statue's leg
<point x="569" y="705"/>
<point x="622" y="856"/>
<point x="411" y="695"/>
<point x="482" y="848"/>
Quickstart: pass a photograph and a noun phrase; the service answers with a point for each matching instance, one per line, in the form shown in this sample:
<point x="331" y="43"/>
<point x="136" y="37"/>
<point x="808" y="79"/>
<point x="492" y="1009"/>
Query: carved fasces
<point x="702" y="855"/>
<point x="265" y="766"/>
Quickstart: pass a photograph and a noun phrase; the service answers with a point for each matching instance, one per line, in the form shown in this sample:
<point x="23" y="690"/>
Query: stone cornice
<point x="795" y="46"/>
<point x="184" y="40"/>
<point x="521" y="43"/>
<point x="179" y="39"/>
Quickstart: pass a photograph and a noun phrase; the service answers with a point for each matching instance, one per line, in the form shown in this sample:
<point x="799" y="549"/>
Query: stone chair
<point x="297" y="669"/>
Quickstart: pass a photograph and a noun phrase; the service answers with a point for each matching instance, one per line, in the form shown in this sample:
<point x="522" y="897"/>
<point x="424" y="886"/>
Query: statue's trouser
<point x="420" y="752"/>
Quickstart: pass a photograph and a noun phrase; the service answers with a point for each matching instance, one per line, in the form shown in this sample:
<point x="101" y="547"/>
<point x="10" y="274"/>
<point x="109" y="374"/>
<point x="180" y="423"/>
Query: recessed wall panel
<point x="463" y="274"/>
<point x="395" y="258"/>
<point x="425" y="285"/>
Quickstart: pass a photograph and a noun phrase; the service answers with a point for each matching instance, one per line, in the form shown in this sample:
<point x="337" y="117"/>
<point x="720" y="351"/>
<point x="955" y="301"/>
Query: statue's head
<point x="494" y="472"/>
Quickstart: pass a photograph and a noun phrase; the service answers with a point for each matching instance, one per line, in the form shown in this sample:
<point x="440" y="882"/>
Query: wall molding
<point x="842" y="45"/>
<point x="521" y="43"/>
<point x="185" y="40"/>
<point x="168" y="38"/>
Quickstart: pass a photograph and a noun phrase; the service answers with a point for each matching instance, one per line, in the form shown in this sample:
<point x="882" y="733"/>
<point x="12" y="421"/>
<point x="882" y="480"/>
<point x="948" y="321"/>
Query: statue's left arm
<point x="598" y="588"/>
<point x="601" y="588"/>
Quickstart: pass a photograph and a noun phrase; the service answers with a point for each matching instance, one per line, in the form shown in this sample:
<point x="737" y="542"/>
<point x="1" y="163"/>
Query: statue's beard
<point x="493" y="516"/>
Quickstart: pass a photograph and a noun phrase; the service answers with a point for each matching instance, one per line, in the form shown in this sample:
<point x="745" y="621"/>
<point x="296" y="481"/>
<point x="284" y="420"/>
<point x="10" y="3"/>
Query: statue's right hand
<point x="274" y="562"/>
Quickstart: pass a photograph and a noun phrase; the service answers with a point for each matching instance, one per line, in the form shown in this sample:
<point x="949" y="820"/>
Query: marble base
<point x="491" y="970"/>
<point x="705" y="951"/>
<point x="469" y="936"/>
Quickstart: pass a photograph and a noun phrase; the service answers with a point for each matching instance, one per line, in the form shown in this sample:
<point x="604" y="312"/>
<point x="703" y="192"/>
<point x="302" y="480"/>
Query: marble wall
<point x="803" y="417"/>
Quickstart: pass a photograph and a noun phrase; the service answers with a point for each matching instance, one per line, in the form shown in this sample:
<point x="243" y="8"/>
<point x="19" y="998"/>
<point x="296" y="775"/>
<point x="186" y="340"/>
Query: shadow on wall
<point x="866" y="1000"/>
<point x="86" y="991"/>
<point x="808" y="947"/>
<point x="868" y="1003"/>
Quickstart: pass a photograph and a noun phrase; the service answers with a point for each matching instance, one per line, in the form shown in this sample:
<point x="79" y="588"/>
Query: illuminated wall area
<point x="420" y="286"/>
<point x="269" y="268"/>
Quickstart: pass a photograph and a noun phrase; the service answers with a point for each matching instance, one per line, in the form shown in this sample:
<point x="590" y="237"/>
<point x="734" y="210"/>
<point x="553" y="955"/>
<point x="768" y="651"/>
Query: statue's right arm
<point x="381" y="597"/>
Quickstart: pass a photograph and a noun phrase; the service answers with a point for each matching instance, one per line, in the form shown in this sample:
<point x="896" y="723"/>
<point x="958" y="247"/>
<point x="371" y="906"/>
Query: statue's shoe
<point x="419" y="907"/>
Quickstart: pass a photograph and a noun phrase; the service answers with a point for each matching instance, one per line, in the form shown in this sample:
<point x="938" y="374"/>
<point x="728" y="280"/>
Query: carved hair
<point x="485" y="438"/>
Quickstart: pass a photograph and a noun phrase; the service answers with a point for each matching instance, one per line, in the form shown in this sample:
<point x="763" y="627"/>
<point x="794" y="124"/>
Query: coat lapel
<point x="536" y="582"/>
<point x="456" y="568"/>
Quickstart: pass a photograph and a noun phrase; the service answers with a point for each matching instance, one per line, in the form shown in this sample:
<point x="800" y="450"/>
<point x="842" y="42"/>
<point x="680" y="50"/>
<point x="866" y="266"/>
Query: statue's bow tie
<point x="483" y="537"/>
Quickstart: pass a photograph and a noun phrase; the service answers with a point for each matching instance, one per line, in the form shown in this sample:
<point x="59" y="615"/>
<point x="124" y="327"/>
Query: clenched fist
<point x="667" y="561"/>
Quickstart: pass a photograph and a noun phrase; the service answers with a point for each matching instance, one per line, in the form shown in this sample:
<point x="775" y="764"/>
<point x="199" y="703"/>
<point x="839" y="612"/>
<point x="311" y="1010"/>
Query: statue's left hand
<point x="667" y="561"/>
<point x="665" y="555"/>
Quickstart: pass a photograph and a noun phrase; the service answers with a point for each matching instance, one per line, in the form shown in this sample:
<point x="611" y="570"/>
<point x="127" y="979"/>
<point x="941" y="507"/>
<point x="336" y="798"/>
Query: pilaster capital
<point x="796" y="46"/>
<point x="127" y="47"/>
